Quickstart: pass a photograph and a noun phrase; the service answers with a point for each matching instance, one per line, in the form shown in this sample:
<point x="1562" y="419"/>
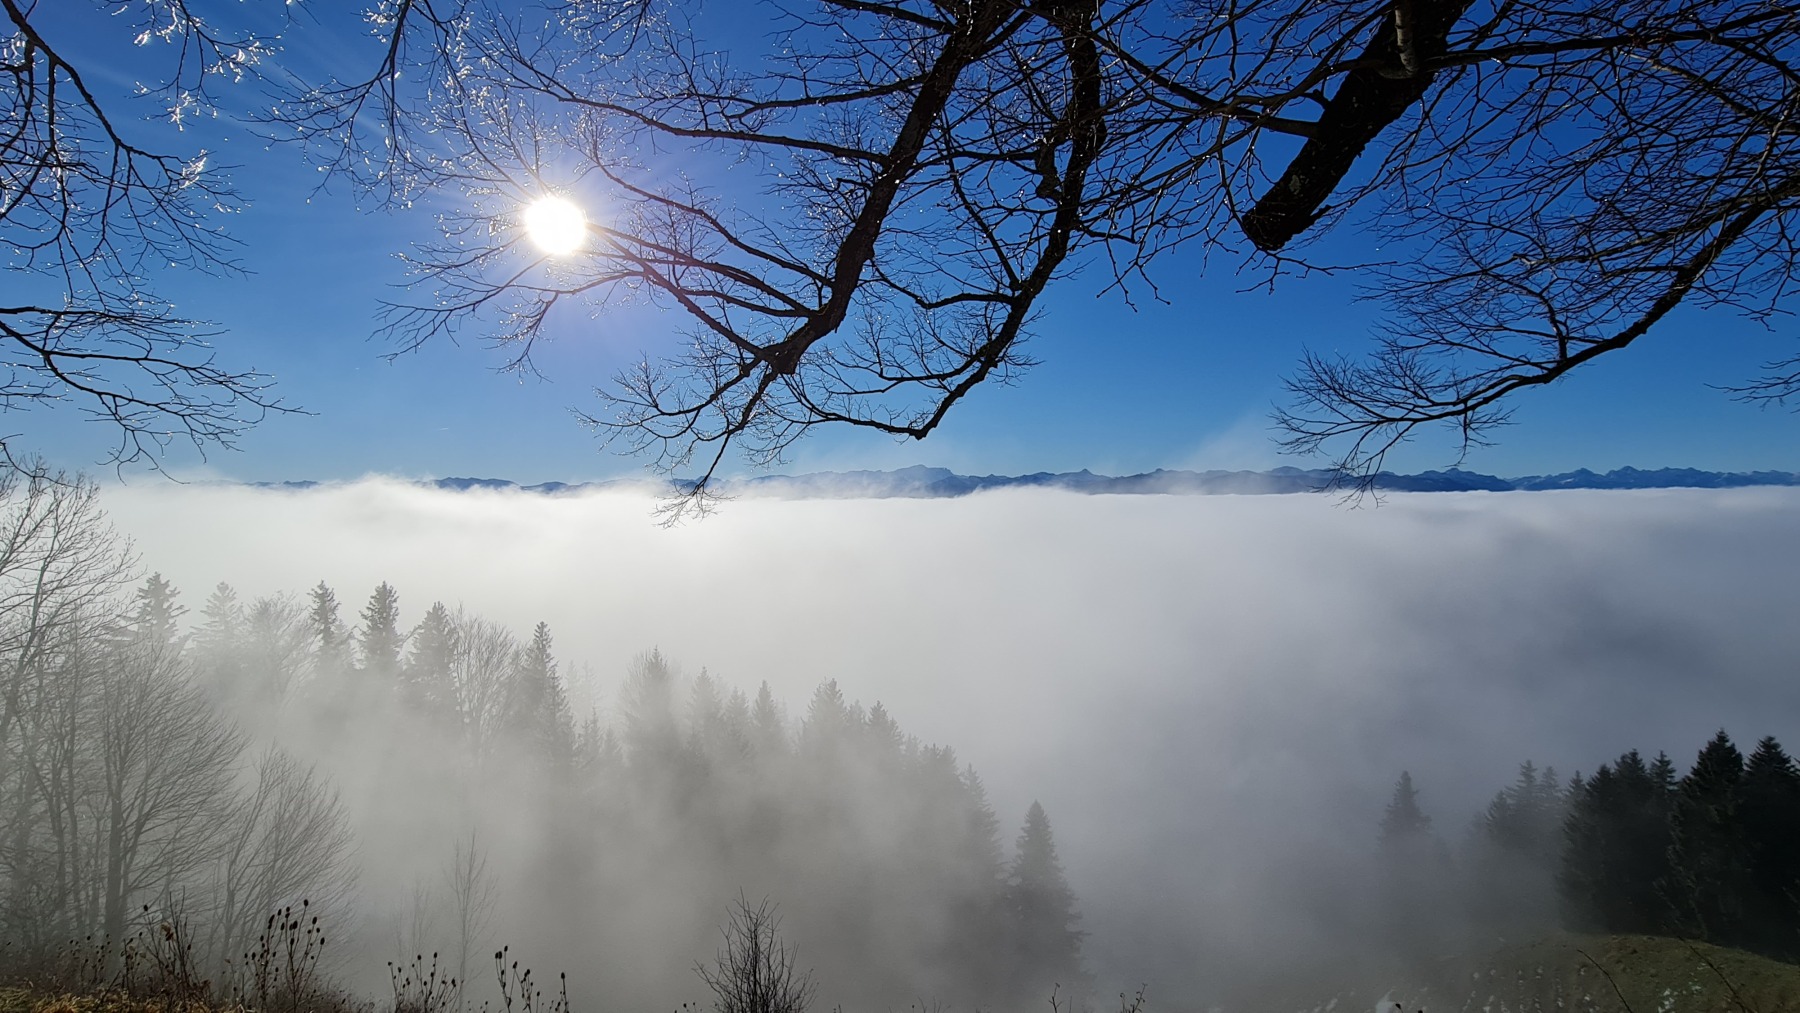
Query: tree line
<point x="428" y="786"/>
<point x="1635" y="847"/>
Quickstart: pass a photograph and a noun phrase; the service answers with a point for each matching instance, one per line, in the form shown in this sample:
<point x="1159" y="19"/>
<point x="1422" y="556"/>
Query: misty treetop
<point x="426" y="783"/>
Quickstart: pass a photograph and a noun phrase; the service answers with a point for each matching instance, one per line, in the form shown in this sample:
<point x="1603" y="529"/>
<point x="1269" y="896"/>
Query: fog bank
<point x="1203" y="692"/>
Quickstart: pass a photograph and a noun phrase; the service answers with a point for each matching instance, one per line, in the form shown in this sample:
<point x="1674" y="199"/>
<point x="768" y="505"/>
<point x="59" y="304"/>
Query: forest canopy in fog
<point x="165" y="764"/>
<point x="453" y="743"/>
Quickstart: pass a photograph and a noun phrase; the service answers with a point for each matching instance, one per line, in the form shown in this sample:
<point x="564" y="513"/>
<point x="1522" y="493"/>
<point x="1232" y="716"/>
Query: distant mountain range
<point x="920" y="482"/>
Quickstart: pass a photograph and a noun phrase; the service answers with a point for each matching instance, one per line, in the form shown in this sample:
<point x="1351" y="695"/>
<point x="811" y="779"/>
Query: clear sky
<point x="1188" y="383"/>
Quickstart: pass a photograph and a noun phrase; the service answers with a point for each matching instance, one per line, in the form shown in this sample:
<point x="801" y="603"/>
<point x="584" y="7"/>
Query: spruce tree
<point x="537" y="715"/>
<point x="1615" y="873"/>
<point x="768" y="728"/>
<point x="426" y="677"/>
<point x="652" y="733"/>
<point x="597" y="749"/>
<point x="1404" y="823"/>
<point x="706" y="717"/>
<point x="1770" y="820"/>
<point x="830" y="722"/>
<point x="380" y="640"/>
<point x="330" y="640"/>
<point x="1525" y="820"/>
<point x="735" y="728"/>
<point x="883" y="733"/>
<point x="1582" y="880"/>
<point x="1415" y="876"/>
<point x="220" y="641"/>
<point x="153" y="620"/>
<point x="981" y="898"/>
<point x="1041" y="908"/>
<point x="1518" y="853"/>
<point x="1710" y="859"/>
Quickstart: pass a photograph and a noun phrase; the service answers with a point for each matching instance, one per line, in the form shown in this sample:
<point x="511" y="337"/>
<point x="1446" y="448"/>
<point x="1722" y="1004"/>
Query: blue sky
<point x="1184" y="384"/>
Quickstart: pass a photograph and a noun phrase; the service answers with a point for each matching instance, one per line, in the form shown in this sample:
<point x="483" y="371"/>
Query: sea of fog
<point x="1211" y="696"/>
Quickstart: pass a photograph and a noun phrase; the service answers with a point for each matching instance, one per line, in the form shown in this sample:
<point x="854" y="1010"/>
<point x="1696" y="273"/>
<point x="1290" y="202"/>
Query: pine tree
<point x="1526" y="818"/>
<point x="1582" y="881"/>
<point x="380" y="641"/>
<point x="153" y="621"/>
<point x="1041" y="908"/>
<point x="1417" y="886"/>
<point x="1770" y="820"/>
<point x="652" y="736"/>
<point x="1518" y="853"/>
<point x="829" y="726"/>
<point x="1615" y="873"/>
<point x="219" y="642"/>
<point x="768" y="728"/>
<point x="538" y="715"/>
<point x="1708" y="853"/>
<point x="735" y="729"/>
<point x="979" y="908"/>
<point x="884" y="736"/>
<point x="558" y="716"/>
<point x="331" y="641"/>
<point x="1404" y="822"/>
<point x="597" y="749"/>
<point x="706" y="717"/>
<point x="426" y="677"/>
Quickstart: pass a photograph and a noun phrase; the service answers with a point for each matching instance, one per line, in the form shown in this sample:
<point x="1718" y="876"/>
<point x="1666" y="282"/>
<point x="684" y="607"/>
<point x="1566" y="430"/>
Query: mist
<point x="1210" y="696"/>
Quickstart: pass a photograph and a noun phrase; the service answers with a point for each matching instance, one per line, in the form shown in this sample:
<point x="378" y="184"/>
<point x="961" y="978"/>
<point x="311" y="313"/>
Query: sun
<point x="556" y="225"/>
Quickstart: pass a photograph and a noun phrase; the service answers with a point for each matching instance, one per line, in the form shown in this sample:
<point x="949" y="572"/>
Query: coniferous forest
<point x="1639" y="847"/>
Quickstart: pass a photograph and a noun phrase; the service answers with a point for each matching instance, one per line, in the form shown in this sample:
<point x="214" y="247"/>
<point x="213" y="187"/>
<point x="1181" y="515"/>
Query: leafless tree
<point x="755" y="971"/>
<point x="277" y="642"/>
<point x="121" y="783"/>
<point x="164" y="780"/>
<point x="62" y="569"/>
<point x="859" y="220"/>
<point x="93" y="202"/>
<point x="120" y="774"/>
<point x="473" y="896"/>
<point x="859" y="223"/>
<point x="483" y="661"/>
<point x="60" y="562"/>
<point x="285" y="840"/>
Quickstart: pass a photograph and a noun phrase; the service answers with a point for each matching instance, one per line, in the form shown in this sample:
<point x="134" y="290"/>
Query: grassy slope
<point x="26" y="1000"/>
<point x="1562" y="974"/>
<point x="1611" y="974"/>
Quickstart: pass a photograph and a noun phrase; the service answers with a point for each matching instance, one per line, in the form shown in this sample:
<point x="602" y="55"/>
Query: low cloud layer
<point x="1203" y="692"/>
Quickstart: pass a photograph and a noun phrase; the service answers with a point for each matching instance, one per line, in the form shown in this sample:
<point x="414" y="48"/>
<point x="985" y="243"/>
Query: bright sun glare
<point x="556" y="225"/>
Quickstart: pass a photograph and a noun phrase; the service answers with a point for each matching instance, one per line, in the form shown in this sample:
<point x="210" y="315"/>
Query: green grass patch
<point x="1612" y="974"/>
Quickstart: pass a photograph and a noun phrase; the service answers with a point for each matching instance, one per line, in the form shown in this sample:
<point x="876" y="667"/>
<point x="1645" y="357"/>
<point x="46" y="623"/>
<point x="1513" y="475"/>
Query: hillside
<point x="1609" y="974"/>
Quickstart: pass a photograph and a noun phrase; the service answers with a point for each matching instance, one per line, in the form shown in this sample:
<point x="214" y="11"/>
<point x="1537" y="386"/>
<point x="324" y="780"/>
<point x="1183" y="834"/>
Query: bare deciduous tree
<point x="755" y="971"/>
<point x="473" y="896"/>
<point x="61" y="567"/>
<point x="92" y="204"/>
<point x="121" y="782"/>
<point x="859" y="223"/>
<point x="165" y="777"/>
<point x="482" y="668"/>
<point x="286" y="840"/>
